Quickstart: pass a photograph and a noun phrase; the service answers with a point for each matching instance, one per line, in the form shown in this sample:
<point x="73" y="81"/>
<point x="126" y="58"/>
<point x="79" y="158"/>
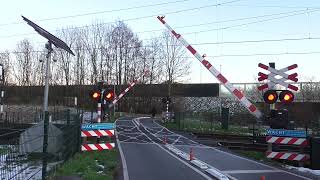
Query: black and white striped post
<point x="2" y="90"/>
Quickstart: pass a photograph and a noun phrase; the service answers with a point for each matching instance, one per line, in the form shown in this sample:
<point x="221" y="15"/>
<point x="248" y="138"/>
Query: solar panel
<point x="51" y="38"/>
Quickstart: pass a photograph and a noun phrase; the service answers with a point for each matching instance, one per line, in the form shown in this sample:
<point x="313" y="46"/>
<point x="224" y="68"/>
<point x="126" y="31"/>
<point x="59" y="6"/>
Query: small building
<point x="31" y="140"/>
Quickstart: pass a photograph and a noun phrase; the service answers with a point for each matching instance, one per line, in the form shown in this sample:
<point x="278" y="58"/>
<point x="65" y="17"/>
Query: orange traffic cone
<point x="191" y="155"/>
<point x="262" y="178"/>
<point x="165" y="140"/>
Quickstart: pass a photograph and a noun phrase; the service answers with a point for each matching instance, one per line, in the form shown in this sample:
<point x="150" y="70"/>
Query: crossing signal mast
<point x="271" y="96"/>
<point x="103" y="96"/>
<point x="278" y="118"/>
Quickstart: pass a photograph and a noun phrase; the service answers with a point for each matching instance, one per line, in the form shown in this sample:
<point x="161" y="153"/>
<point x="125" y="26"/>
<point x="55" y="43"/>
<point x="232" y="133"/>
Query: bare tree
<point x="79" y="67"/>
<point x="103" y="52"/>
<point x="176" y="66"/>
<point x="24" y="66"/>
<point x="64" y="58"/>
<point x="155" y="64"/>
<point x="126" y="47"/>
<point x="5" y="61"/>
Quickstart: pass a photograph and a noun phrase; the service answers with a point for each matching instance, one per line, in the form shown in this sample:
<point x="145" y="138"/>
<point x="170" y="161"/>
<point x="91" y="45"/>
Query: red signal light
<point x="109" y="95"/>
<point x="96" y="95"/>
<point x="270" y="96"/>
<point x="286" y="97"/>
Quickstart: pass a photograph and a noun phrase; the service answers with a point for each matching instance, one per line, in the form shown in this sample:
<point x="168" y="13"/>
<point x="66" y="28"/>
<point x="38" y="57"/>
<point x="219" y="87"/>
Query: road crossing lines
<point x="129" y="133"/>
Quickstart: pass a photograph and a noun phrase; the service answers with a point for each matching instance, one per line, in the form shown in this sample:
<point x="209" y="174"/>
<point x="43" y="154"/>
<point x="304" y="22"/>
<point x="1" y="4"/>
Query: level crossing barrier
<point x="97" y="130"/>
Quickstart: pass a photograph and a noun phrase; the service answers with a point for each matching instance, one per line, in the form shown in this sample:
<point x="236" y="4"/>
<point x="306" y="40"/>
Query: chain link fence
<point x="239" y="123"/>
<point x="21" y="141"/>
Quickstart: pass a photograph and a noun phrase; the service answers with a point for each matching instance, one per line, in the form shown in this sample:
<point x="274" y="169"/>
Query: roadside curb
<point x="198" y="163"/>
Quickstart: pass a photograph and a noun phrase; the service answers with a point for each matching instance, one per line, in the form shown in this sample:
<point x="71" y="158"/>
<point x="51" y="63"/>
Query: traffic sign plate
<point x="277" y="72"/>
<point x="97" y="126"/>
<point x="286" y="133"/>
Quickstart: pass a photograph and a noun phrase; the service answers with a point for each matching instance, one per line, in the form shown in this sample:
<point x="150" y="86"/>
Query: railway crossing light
<point x="108" y="95"/>
<point x="286" y="97"/>
<point x="270" y="96"/>
<point x="96" y="95"/>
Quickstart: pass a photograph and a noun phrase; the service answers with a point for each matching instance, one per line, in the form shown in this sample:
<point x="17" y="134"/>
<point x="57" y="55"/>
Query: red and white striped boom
<point x="127" y="89"/>
<point x="238" y="94"/>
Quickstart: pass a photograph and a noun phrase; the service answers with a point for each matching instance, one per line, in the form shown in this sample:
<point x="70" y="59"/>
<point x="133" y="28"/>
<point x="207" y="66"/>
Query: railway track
<point x="243" y="142"/>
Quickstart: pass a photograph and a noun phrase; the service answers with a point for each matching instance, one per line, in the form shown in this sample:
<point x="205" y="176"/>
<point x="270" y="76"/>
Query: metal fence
<point x="239" y="123"/>
<point x="22" y="137"/>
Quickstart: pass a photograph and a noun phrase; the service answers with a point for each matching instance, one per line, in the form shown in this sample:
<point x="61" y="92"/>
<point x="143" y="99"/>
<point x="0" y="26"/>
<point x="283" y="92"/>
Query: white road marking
<point x="287" y="172"/>
<point x="159" y="131"/>
<point x="196" y="146"/>
<point x="177" y="134"/>
<point x="123" y="160"/>
<point x="259" y="163"/>
<point x="176" y="140"/>
<point x="147" y="143"/>
<point x="129" y="133"/>
<point x="187" y="164"/>
<point x="250" y="171"/>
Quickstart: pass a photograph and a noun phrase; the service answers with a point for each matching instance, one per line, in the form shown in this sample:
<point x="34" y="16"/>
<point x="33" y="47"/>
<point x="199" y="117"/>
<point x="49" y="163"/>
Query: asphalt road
<point x="142" y="142"/>
<point x="146" y="160"/>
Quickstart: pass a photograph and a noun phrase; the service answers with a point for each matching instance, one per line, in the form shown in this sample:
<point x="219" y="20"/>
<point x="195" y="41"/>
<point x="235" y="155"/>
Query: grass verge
<point x="97" y="165"/>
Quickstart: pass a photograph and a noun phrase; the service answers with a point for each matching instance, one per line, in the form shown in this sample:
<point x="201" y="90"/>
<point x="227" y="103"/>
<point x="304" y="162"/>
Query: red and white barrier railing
<point x="96" y="133"/>
<point x="238" y="94"/>
<point x="288" y="156"/>
<point x="128" y="89"/>
<point x="97" y="147"/>
<point x="287" y="140"/>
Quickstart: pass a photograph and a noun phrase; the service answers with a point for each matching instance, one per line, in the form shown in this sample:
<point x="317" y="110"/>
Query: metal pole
<point x="167" y="111"/>
<point x="2" y="90"/>
<point x="99" y="113"/>
<point x="46" y="87"/>
<point x="45" y="145"/>
<point x="220" y="98"/>
<point x="45" y="112"/>
<point x="273" y="65"/>
<point x="114" y="107"/>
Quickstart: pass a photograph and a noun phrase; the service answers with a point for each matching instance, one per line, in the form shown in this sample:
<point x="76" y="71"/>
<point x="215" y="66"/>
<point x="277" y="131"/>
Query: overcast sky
<point x="235" y="34"/>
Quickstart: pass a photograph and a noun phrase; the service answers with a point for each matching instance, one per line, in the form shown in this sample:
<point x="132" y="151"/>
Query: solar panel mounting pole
<point x="59" y="44"/>
<point x="46" y="87"/>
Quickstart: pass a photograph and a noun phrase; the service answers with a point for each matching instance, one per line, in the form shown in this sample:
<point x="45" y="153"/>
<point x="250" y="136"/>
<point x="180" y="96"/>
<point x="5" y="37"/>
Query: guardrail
<point x="21" y="147"/>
